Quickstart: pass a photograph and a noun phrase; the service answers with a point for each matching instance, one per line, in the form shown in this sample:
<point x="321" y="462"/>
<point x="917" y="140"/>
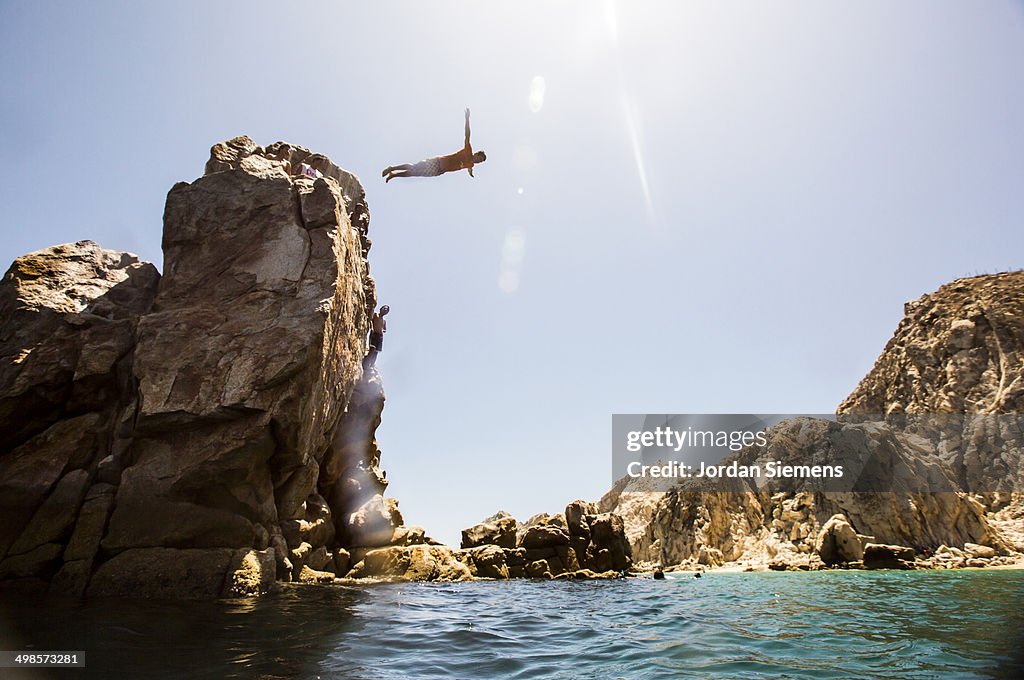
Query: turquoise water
<point x="816" y="625"/>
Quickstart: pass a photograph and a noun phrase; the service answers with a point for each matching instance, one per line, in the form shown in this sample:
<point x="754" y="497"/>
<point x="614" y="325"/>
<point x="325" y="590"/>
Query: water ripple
<point x="792" y="625"/>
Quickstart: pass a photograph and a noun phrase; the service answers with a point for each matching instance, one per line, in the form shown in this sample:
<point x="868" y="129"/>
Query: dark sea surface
<point x="799" y="625"/>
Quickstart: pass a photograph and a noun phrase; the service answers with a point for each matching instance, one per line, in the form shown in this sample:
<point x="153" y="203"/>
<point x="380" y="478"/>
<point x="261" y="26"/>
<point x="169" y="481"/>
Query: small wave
<point x="818" y="625"/>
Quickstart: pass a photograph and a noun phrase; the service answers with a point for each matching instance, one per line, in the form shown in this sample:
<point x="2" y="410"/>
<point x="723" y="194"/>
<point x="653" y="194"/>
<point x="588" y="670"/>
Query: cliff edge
<point x="209" y="430"/>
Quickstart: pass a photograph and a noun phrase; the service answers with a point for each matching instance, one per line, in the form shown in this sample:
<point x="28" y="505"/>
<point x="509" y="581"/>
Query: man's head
<point x="479" y="157"/>
<point x="384" y="310"/>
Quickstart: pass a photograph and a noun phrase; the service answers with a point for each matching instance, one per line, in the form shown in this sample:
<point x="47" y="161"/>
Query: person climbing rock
<point x="378" y="327"/>
<point x="438" y="165"/>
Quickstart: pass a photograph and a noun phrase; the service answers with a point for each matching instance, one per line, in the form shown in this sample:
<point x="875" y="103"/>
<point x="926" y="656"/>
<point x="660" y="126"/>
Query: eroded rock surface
<point x="67" y="399"/>
<point x="838" y="542"/>
<point x="411" y="563"/>
<point x="498" y="529"/>
<point x="174" y="435"/>
<point x="578" y="542"/>
<point x="958" y="351"/>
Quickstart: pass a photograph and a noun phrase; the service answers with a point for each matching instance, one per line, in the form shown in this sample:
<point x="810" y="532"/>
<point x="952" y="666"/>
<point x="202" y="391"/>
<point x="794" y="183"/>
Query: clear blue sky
<point x="714" y="207"/>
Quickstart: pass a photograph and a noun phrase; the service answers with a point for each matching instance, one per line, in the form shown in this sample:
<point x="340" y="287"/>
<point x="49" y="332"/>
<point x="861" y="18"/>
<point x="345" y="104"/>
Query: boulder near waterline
<point x="499" y="530"/>
<point x="579" y="541"/>
<point x="838" y="542"/>
<point x="882" y="556"/>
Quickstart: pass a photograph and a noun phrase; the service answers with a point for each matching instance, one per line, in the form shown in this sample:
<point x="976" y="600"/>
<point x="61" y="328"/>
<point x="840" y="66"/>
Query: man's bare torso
<point x="461" y="159"/>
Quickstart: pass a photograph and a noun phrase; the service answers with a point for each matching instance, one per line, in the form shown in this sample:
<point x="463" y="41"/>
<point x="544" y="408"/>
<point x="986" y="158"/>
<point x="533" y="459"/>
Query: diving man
<point x="464" y="159"/>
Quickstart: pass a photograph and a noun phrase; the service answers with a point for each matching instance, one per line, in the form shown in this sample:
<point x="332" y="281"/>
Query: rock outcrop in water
<point x="579" y="543"/>
<point x="207" y="430"/>
<point x="958" y="351"/>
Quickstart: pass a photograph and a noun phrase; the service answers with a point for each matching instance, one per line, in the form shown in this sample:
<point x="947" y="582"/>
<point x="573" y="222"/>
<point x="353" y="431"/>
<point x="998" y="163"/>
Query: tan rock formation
<point x="837" y="542"/>
<point x="411" y="563"/>
<point x="580" y="540"/>
<point x="498" y="529"/>
<point x="959" y="351"/>
<point x="486" y="561"/>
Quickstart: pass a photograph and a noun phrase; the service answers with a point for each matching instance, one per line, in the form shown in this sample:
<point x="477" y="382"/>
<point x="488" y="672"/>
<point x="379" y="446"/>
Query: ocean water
<point x="819" y="625"/>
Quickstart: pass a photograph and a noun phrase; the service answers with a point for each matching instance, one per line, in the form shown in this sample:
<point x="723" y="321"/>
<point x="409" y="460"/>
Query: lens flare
<point x="513" y="251"/>
<point x="638" y="156"/>
<point x="524" y="157"/>
<point x="537" y="88"/>
<point x="611" y="20"/>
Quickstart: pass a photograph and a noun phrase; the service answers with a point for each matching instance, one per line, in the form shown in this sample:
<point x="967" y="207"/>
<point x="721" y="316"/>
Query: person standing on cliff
<point x="463" y="159"/>
<point x="378" y="327"/>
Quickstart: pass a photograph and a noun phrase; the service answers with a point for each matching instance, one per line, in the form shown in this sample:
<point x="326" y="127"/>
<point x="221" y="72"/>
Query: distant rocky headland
<point x="952" y="378"/>
<point x="210" y="431"/>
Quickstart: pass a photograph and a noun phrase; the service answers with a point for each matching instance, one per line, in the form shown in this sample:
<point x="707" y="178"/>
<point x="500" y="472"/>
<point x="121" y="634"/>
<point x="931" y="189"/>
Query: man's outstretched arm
<point x="467" y="130"/>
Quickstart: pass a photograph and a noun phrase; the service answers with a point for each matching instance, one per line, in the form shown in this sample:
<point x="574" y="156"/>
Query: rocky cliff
<point x="957" y="352"/>
<point x="207" y="430"/>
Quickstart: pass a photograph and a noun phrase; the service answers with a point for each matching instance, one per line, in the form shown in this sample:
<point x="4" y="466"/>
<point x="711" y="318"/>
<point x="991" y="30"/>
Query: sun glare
<point x="537" y="87"/>
<point x="513" y="251"/>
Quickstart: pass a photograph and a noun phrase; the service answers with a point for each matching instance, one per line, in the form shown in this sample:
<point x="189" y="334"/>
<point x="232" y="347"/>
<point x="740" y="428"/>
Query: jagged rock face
<point x="412" y="563"/>
<point x="498" y="529"/>
<point x="543" y="531"/>
<point x="838" y="542"/>
<point x="200" y="425"/>
<point x="486" y="561"/>
<point x="961" y="350"/>
<point x="248" y="359"/>
<point x="782" y="522"/>
<point x="579" y="541"/>
<point x="66" y="398"/>
<point x="69" y="317"/>
<point x="957" y="350"/>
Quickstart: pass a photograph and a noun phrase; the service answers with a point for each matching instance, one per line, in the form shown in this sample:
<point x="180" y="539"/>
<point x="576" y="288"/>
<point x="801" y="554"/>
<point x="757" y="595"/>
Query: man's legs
<point x="400" y="173"/>
<point x="428" y="168"/>
<point x="391" y="169"/>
